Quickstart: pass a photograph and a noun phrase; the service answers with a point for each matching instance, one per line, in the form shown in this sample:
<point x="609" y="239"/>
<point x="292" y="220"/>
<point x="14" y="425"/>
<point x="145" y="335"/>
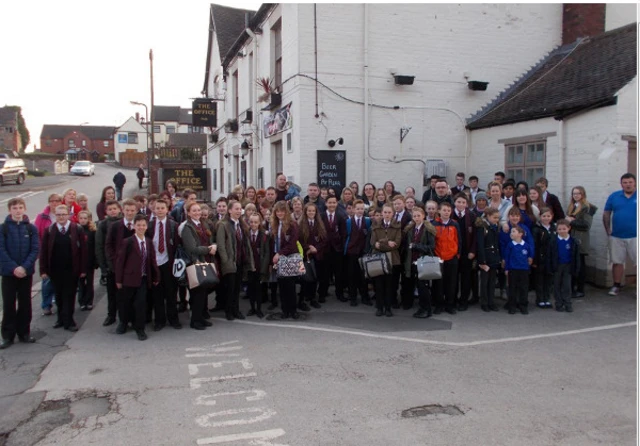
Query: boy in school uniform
<point x="113" y="211"/>
<point x="259" y="241"/>
<point x="544" y="232"/>
<point x="488" y="250"/>
<point x="136" y="272"/>
<point x="402" y="216"/>
<point x="517" y="257"/>
<point x="564" y="262"/>
<point x="449" y="249"/>
<point x="466" y="221"/>
<point x="333" y="262"/>
<point x="357" y="229"/>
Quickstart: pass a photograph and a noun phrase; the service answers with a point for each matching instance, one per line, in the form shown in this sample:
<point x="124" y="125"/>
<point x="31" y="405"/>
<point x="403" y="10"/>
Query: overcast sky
<point x="70" y="62"/>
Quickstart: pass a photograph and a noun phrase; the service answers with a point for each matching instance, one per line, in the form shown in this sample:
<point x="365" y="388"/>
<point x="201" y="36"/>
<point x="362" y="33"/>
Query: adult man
<point x="63" y="258"/>
<point x="550" y="199"/>
<point x="430" y="194"/>
<point x="442" y="193"/>
<point x="19" y="247"/>
<point x="271" y="196"/>
<point x="119" y="181"/>
<point x="622" y="235"/>
<point x="140" y="175"/>
<point x="313" y="196"/>
<point x="281" y="186"/>
<point x="460" y="186"/>
<point x="473" y="188"/>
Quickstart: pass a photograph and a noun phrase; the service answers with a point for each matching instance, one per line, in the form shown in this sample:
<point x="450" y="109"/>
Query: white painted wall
<point x="131" y="125"/>
<point x="620" y="14"/>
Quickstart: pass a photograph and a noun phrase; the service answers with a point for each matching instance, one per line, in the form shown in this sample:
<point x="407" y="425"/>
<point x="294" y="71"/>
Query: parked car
<point x="83" y="168"/>
<point x="12" y="169"/>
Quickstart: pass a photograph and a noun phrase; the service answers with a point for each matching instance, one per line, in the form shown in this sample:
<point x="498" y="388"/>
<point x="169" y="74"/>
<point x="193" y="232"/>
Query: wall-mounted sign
<point x="332" y="169"/>
<point x="204" y="113"/>
<point x="278" y="121"/>
<point x="187" y="178"/>
<point x="123" y="138"/>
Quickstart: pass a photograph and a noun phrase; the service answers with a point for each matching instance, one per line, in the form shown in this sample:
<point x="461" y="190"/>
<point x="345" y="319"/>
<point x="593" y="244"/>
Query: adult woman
<point x="313" y="238"/>
<point x="497" y="202"/>
<point x="250" y="194"/>
<point x="390" y="189"/>
<point x="69" y="200"/>
<point x="355" y="188"/>
<point x="580" y="214"/>
<point x="535" y="194"/>
<point x="386" y="237"/>
<point x="236" y="257"/>
<point x="108" y="193"/>
<point x="238" y="190"/>
<point x="260" y="195"/>
<point x="284" y="235"/>
<point x="197" y="245"/>
<point x="296" y="206"/>
<point x="381" y="199"/>
<point x="530" y="213"/>
<point x="368" y="196"/>
<point x="346" y="197"/>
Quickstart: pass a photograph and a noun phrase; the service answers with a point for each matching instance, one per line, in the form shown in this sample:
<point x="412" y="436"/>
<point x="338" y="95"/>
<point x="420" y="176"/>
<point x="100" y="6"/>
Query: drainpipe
<point x="366" y="95"/>
<point x="254" y="107"/>
<point x="562" y="147"/>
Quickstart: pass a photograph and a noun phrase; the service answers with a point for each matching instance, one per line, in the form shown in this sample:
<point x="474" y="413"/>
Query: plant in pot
<point x="266" y="84"/>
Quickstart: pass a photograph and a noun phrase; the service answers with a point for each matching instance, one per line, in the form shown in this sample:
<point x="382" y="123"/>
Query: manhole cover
<point x="431" y="410"/>
<point x="278" y="317"/>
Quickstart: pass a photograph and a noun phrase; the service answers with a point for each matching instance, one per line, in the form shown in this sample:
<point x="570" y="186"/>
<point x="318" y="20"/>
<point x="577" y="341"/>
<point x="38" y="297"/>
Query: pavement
<point x="340" y="377"/>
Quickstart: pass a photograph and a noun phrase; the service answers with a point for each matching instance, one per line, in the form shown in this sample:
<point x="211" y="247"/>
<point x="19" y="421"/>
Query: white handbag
<point x="429" y="268"/>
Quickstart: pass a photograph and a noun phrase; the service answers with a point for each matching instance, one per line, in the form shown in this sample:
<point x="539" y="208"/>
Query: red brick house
<point x="9" y="135"/>
<point x="78" y="141"/>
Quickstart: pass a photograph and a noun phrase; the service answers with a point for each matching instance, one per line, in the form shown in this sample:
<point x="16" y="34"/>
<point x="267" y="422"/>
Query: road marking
<point x="260" y="437"/>
<point x="446" y="343"/>
<point x="23" y="196"/>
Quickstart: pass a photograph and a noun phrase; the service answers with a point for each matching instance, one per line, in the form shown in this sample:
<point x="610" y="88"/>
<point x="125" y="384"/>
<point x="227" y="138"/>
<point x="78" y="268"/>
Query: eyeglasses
<point x="61" y="215"/>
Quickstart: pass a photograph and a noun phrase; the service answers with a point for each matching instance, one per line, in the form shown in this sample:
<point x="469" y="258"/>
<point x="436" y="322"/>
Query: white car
<point x="83" y="168"/>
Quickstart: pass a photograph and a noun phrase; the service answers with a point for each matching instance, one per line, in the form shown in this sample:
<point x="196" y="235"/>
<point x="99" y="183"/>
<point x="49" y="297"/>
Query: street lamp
<point x="146" y="125"/>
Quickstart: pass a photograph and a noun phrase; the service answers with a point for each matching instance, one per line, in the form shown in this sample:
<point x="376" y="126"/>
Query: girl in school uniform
<point x="85" y="284"/>
<point x="313" y="238"/>
<point x="258" y="280"/>
<point x="386" y="236"/>
<point x="421" y="239"/>
<point x="284" y="235"/>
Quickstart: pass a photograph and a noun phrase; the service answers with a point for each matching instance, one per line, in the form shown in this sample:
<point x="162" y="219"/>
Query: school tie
<point x="330" y="219"/>
<point x="397" y="216"/>
<point x="311" y="224"/>
<point x="254" y="238"/>
<point x="160" y="238"/>
<point x="143" y="253"/>
<point x="358" y="223"/>
<point x="459" y="214"/>
<point x="129" y="226"/>
<point x="63" y="231"/>
<point x="238" y="232"/>
<point x="416" y="236"/>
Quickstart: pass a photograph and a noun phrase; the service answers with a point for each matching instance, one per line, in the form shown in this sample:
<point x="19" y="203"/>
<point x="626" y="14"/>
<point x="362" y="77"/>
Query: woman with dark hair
<point x="390" y="189"/>
<point x="284" y="235"/>
<point x="580" y="214"/>
<point x="368" y="196"/>
<point x="313" y="238"/>
<point x="108" y="193"/>
<point x="530" y="213"/>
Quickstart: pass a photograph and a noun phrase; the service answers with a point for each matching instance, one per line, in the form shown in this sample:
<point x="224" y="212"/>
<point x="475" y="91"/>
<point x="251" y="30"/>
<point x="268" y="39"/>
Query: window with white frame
<point x="132" y="137"/>
<point x="105" y="143"/>
<point x="72" y="143"/>
<point x="156" y="129"/>
<point x="171" y="129"/>
<point x="526" y="161"/>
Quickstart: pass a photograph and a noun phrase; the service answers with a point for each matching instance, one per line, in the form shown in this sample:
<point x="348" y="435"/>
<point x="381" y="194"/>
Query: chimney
<point x="138" y="116"/>
<point x="582" y="20"/>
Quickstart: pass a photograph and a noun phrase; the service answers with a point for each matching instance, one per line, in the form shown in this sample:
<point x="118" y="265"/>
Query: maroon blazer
<point x="467" y="230"/>
<point x="336" y="234"/>
<point x="315" y="241"/>
<point x="78" y="249"/>
<point x="358" y="237"/>
<point x="170" y="243"/>
<point x="115" y="234"/>
<point x="129" y="264"/>
<point x="405" y="220"/>
<point x="288" y="241"/>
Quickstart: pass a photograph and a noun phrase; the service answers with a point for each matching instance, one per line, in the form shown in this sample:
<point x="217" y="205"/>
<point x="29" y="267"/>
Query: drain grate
<point x="431" y="410"/>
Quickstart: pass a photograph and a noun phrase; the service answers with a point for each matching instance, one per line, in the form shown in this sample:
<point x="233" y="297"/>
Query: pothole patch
<point x="432" y="411"/>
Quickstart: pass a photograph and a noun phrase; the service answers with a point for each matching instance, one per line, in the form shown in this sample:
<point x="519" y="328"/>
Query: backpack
<point x="367" y="223"/>
<point x="5" y="230"/>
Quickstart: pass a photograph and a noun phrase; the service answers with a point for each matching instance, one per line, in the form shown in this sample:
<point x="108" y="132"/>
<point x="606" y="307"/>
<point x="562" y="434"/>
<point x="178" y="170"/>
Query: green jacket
<point x="228" y="249"/>
<point x="581" y="225"/>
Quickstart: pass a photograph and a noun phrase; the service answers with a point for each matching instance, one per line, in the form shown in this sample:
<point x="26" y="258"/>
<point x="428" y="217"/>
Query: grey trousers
<point x="562" y="285"/>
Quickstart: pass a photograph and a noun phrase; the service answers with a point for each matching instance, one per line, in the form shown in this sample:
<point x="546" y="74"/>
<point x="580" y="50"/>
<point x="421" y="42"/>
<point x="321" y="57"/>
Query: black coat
<point x="488" y="244"/>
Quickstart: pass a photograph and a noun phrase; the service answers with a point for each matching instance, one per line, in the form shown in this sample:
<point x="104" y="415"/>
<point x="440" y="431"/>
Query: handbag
<point x="202" y="275"/>
<point x="429" y="268"/>
<point x="290" y="266"/>
<point x="310" y="274"/>
<point x="374" y="265"/>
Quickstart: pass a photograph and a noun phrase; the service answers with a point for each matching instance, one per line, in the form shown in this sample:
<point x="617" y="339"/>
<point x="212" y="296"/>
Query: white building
<point x="169" y="120"/>
<point x="336" y="65"/>
<point x="130" y="137"/>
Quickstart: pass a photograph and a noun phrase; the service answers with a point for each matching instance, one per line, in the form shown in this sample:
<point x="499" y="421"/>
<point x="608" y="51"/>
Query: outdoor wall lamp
<point x="332" y="142"/>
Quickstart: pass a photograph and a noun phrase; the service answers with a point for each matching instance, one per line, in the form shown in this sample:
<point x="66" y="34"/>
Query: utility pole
<point x="150" y="152"/>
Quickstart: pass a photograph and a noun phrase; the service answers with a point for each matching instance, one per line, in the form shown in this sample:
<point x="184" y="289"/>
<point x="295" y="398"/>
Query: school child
<point x="564" y="262"/>
<point x="333" y="262"/>
<point x="466" y="221"/>
<point x="136" y="272"/>
<point x="386" y="236"/>
<point x="420" y="237"/>
<point x="399" y="274"/>
<point x="449" y="249"/>
<point x="284" y="233"/>
<point x="432" y="210"/>
<point x="544" y="233"/>
<point x="313" y="238"/>
<point x="259" y="241"/>
<point x="517" y="257"/>
<point x="357" y="229"/>
<point x="113" y="211"/>
<point x="514" y="218"/>
<point x="488" y="250"/>
<point x="85" y="284"/>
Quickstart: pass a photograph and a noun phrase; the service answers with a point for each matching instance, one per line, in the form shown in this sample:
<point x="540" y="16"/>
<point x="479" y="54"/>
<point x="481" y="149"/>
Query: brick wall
<point x="582" y="20"/>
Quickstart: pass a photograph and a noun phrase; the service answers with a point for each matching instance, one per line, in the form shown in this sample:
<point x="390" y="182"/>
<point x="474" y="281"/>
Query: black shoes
<point x="524" y="310"/>
<point x="462" y="307"/>
<point x="158" y="327"/>
<point x="142" y="336"/>
<point x="493" y="307"/>
<point x="315" y="304"/>
<point x="485" y="308"/>
<point x="422" y="314"/>
<point x="568" y="308"/>
<point x="260" y="314"/>
<point x="71" y="328"/>
<point x="342" y="299"/>
<point x="109" y="321"/>
<point x="353" y="303"/>
<point x="182" y="307"/>
<point x="512" y="311"/>
<point x="206" y="323"/>
<point x="437" y="310"/>
<point x="216" y="308"/>
<point x="83" y="308"/>
<point x="451" y="310"/>
<point x="6" y="343"/>
<point x="58" y="324"/>
<point x="27" y="339"/>
<point x="272" y="307"/>
<point x="121" y="328"/>
<point x="285" y="316"/>
<point x="379" y="312"/>
<point x="395" y="305"/>
<point x="302" y="306"/>
<point x="367" y="301"/>
<point x="295" y="315"/>
<point x="388" y="312"/>
<point x="176" y="325"/>
<point x="251" y="312"/>
<point x="197" y="326"/>
<point x="322" y="299"/>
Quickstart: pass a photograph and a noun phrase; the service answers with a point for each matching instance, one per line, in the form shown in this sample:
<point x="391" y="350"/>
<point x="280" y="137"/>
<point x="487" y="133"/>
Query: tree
<point x="25" y="138"/>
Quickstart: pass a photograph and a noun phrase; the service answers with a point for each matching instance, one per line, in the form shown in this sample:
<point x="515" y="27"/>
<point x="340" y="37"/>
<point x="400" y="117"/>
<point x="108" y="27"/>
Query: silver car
<point x="83" y="168"/>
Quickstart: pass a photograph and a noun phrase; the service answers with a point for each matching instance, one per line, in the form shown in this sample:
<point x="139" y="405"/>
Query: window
<point x="192" y="129"/>
<point x="48" y="143"/>
<point x="105" y="143"/>
<point x="84" y="143"/>
<point x="156" y="129"/>
<point x="526" y="161"/>
<point x="171" y="129"/>
<point x="132" y="137"/>
<point x="72" y="143"/>
<point x="276" y="36"/>
<point x="236" y="107"/>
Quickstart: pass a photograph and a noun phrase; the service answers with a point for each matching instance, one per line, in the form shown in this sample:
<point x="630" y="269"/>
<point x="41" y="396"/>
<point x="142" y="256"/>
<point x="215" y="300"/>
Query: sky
<point x="75" y="62"/>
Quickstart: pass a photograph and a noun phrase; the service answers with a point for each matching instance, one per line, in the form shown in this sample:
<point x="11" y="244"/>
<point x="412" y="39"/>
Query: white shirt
<point x="400" y="214"/>
<point x="126" y="223"/>
<point x="163" y="258"/>
<point x="66" y="227"/>
<point x="545" y="194"/>
<point x="521" y="242"/>
<point x="563" y="239"/>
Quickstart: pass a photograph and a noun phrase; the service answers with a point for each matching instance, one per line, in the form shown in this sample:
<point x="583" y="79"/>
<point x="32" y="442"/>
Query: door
<point x="276" y="149"/>
<point x="632" y="167"/>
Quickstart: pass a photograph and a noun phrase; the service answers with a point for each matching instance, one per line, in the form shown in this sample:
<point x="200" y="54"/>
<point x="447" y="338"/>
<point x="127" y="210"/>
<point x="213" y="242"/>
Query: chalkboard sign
<point x="332" y="169"/>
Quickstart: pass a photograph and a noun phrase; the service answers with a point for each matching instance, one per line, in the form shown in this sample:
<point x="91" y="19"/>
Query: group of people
<point x="507" y="237"/>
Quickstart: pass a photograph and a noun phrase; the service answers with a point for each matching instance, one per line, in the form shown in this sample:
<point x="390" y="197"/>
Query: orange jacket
<point x="447" y="237"/>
